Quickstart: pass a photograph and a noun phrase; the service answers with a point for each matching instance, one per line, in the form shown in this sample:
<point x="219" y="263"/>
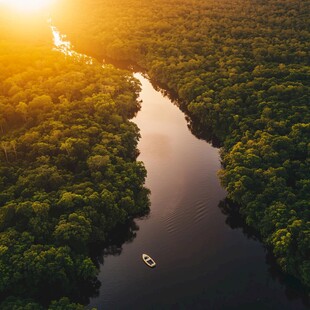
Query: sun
<point x="27" y="5"/>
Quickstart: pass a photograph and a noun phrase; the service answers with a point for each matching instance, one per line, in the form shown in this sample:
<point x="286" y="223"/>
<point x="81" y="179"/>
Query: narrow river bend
<point x="202" y="262"/>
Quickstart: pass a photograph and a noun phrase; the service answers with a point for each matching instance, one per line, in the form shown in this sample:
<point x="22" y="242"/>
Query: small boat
<point x="148" y="260"/>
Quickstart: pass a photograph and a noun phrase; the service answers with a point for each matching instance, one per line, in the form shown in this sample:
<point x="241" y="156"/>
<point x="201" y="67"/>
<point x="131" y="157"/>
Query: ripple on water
<point x="201" y="211"/>
<point x="173" y="221"/>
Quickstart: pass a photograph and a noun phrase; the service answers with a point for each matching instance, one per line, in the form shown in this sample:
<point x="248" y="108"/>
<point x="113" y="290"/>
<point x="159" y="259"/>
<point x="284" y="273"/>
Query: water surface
<point x="202" y="263"/>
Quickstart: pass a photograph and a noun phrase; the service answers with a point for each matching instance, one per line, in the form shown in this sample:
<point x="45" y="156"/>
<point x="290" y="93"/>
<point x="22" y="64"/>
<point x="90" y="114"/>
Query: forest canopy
<point x="68" y="171"/>
<point x="241" y="71"/>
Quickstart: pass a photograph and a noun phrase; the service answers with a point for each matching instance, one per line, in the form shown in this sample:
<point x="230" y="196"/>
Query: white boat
<point x="148" y="260"/>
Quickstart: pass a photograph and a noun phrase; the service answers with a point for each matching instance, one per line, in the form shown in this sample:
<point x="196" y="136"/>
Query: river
<point x="205" y="258"/>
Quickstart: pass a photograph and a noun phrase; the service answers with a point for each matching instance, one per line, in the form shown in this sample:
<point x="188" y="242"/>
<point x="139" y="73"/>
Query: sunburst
<point x="27" y="6"/>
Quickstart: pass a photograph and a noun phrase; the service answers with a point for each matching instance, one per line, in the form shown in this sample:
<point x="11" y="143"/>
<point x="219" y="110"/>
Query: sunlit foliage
<point x="68" y="170"/>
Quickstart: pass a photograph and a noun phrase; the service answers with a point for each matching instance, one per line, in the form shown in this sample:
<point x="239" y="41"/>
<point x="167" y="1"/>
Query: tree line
<point x="241" y="71"/>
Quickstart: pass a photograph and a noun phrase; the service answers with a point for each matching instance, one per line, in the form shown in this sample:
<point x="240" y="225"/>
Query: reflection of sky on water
<point x="64" y="46"/>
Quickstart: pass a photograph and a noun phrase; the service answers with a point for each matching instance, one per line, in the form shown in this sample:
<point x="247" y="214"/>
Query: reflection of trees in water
<point x="235" y="221"/>
<point x="123" y="234"/>
<point x="120" y="235"/>
<point x="86" y="290"/>
<point x="200" y="131"/>
<point x="293" y="288"/>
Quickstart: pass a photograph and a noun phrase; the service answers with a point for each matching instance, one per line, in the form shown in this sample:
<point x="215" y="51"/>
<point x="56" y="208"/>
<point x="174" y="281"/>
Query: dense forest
<point x="241" y="71"/>
<point x="68" y="171"/>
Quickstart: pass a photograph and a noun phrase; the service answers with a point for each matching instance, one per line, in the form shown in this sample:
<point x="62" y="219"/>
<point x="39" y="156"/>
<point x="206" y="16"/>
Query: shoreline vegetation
<point x="69" y="172"/>
<point x="241" y="71"/>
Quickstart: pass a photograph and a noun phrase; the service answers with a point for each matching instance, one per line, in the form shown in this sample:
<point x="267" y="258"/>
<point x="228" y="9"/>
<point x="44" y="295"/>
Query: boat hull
<point x="148" y="260"/>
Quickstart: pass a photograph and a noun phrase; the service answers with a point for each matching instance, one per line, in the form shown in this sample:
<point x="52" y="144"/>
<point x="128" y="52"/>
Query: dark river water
<point x="202" y="262"/>
<point x="206" y="257"/>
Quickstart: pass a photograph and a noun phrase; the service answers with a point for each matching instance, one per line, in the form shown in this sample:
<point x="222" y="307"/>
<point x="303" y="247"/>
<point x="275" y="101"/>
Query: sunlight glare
<point x="27" y="5"/>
